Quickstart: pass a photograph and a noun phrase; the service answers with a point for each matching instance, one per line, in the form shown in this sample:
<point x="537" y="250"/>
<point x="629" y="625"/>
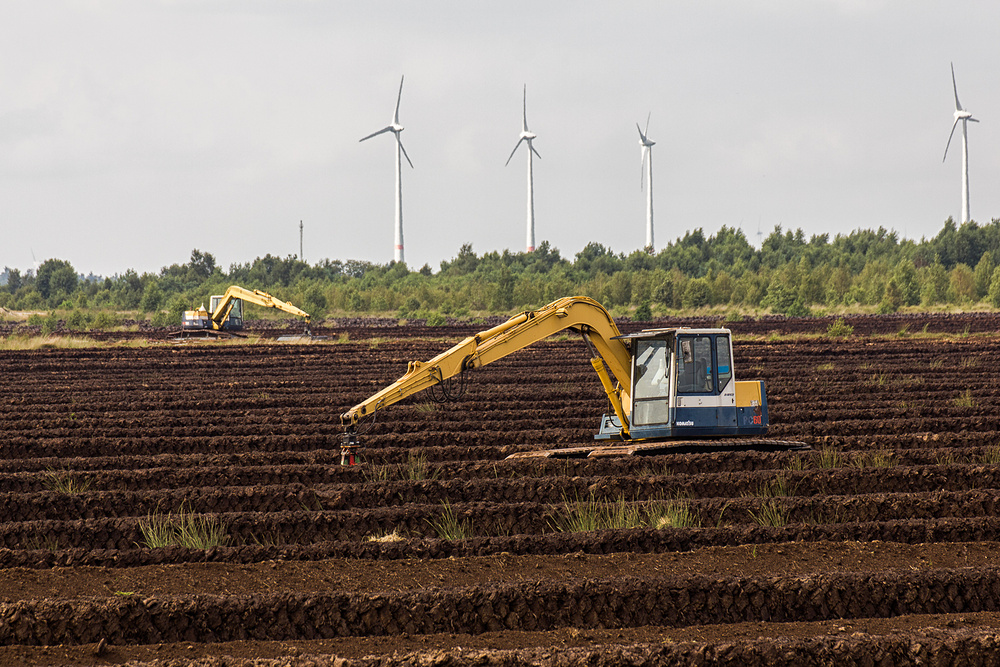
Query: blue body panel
<point x="695" y="423"/>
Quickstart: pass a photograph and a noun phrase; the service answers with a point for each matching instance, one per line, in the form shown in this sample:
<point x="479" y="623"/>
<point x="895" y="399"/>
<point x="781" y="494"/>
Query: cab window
<point x="651" y="382"/>
<point x="652" y="372"/>
<point x="694" y="365"/>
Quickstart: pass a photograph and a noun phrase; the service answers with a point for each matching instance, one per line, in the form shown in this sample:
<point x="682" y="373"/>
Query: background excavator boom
<point x="253" y="296"/>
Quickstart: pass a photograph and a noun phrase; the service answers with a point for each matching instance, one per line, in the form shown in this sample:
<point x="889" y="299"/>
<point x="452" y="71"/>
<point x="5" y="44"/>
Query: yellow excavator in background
<point x="226" y="314"/>
<point x="672" y="389"/>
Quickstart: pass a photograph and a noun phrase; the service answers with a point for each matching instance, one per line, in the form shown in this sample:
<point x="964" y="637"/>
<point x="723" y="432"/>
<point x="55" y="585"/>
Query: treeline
<point x="789" y="274"/>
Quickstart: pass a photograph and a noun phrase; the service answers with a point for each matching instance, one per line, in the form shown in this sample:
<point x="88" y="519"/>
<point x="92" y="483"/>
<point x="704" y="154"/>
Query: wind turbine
<point x="396" y="128"/>
<point x="647" y="164"/>
<point x="964" y="116"/>
<point x="526" y="136"/>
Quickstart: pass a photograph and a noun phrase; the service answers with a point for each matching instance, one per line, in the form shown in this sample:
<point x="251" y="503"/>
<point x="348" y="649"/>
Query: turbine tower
<point x="396" y="128"/>
<point x="526" y="137"/>
<point x="964" y="116"/>
<point x="647" y="166"/>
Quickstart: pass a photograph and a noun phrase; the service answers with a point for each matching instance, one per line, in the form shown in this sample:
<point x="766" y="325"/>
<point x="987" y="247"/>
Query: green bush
<point x="436" y="319"/>
<point x="50" y="323"/>
<point x="164" y="318"/>
<point x="839" y="328"/>
<point x="643" y="313"/>
<point x="78" y="320"/>
<point x="105" y="320"/>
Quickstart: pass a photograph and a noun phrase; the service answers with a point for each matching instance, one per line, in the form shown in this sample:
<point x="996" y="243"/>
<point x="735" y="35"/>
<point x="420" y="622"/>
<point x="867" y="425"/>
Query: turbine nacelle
<point x="643" y="139"/>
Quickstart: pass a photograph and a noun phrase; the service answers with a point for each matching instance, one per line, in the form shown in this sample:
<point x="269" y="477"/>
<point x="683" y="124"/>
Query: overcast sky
<point x="133" y="131"/>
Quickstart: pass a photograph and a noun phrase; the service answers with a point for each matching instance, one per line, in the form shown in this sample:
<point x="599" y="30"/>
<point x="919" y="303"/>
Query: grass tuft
<point x="676" y="513"/>
<point x="185" y="529"/>
<point x="449" y="527"/>
<point x="829" y="457"/>
<point x="61" y="481"/>
<point x="964" y="400"/>
<point x="417" y="468"/>
<point x="579" y="516"/>
<point x="991" y="456"/>
<point x="882" y="458"/>
<point x="778" y="487"/>
<point x="770" y="514"/>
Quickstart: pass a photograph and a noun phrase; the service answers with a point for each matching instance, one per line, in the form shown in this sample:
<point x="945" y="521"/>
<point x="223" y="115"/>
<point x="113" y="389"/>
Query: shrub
<point x="643" y="312"/>
<point x="105" y="320"/>
<point x="78" y="320"/>
<point x="839" y="328"/>
<point x="436" y="319"/>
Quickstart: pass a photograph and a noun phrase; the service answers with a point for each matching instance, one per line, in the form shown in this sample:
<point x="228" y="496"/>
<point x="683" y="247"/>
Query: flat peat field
<point x="879" y="546"/>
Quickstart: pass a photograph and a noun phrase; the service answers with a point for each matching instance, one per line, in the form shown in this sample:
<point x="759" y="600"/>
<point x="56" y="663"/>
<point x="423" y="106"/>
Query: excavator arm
<point x="577" y="313"/>
<point x="256" y="297"/>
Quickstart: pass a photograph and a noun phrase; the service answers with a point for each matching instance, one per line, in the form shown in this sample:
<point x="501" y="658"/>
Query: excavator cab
<point x="682" y="386"/>
<point x="234" y="320"/>
<point x="201" y="319"/>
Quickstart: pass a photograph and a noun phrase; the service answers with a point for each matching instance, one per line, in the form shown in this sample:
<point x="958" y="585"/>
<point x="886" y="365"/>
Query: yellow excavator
<point x="226" y="312"/>
<point x="670" y="389"/>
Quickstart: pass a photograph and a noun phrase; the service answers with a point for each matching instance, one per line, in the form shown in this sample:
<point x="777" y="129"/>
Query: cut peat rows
<point x="879" y="544"/>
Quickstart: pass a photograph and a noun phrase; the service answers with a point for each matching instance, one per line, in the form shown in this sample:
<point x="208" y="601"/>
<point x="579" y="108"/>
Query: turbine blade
<point x="533" y="150"/>
<point x="953" y="126"/>
<point x="524" y="110"/>
<point x="402" y="148"/>
<point x="395" y="115"/>
<point x="642" y="137"/>
<point x="647" y="124"/>
<point x="958" y="105"/>
<point x="513" y="151"/>
<point x="375" y="134"/>
<point x="974" y="120"/>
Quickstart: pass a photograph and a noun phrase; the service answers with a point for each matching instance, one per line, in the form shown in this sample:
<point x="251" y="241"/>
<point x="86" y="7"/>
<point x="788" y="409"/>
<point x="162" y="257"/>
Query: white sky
<point x="132" y="131"/>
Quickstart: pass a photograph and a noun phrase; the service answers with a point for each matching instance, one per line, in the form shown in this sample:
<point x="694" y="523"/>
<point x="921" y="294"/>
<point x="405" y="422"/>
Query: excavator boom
<point x="578" y="313"/>
<point x="253" y="296"/>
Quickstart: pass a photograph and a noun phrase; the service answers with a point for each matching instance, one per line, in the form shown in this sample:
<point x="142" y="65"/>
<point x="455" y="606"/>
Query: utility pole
<point x="302" y="256"/>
